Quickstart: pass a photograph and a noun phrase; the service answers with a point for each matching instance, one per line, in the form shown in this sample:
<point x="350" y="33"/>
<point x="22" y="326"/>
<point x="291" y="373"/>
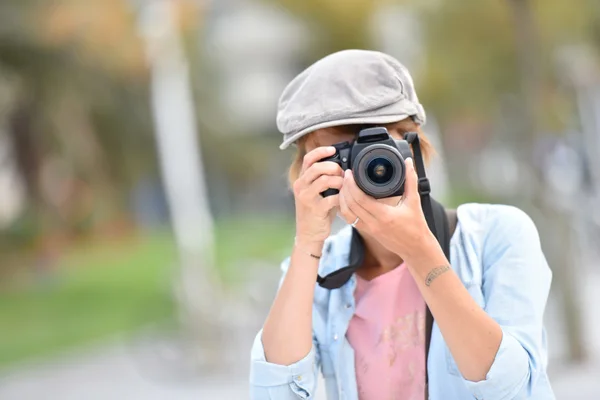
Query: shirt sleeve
<point x="270" y="381"/>
<point x="274" y="381"/>
<point x="516" y="283"/>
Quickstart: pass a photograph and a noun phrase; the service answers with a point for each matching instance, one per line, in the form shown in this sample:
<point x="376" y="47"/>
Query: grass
<point x="256" y="239"/>
<point x="109" y="288"/>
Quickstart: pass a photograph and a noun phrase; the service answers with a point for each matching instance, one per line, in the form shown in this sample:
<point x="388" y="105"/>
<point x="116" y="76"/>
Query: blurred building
<point x="257" y="47"/>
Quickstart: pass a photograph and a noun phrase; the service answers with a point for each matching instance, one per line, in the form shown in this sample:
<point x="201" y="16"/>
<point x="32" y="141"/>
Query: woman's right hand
<point x="315" y="213"/>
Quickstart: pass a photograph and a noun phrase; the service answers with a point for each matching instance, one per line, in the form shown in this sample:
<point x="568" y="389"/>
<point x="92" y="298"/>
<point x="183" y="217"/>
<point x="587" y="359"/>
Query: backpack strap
<point x="445" y="222"/>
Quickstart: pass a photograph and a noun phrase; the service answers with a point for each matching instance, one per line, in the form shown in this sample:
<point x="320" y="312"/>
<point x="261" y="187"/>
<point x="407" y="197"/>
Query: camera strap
<point x="442" y="224"/>
<point x="424" y="186"/>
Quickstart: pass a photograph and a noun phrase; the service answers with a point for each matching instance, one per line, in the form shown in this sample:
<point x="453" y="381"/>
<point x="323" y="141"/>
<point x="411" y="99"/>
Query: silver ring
<point x="355" y="222"/>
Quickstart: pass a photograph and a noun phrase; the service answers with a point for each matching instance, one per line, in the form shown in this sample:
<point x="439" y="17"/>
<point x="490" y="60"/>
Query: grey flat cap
<point x="347" y="87"/>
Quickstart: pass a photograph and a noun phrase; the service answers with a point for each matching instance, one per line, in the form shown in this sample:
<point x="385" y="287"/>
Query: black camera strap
<point x="424" y="186"/>
<point x="442" y="224"/>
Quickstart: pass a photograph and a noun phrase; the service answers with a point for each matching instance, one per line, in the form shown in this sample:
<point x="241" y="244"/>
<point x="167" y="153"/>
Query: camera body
<point x="376" y="160"/>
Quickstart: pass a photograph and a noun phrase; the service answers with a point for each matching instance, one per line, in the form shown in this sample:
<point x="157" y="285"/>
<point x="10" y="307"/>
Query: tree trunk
<point x="183" y="176"/>
<point x="26" y="148"/>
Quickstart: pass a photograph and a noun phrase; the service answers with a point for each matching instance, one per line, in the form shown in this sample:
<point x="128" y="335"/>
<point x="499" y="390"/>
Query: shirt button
<point x="299" y="377"/>
<point x="348" y="305"/>
<point x="335" y="337"/>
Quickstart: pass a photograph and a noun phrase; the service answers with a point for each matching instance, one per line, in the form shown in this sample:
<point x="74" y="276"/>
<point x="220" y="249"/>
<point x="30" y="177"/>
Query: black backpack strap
<point x="442" y="223"/>
<point x="445" y="222"/>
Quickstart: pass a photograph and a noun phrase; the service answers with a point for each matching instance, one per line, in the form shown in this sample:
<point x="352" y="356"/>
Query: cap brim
<point x="384" y="119"/>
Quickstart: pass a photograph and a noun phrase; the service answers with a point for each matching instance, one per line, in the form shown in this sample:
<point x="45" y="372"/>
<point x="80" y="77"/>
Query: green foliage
<point x="472" y="62"/>
<point x="256" y="238"/>
<point x="20" y="234"/>
<point x="81" y="86"/>
<point x="470" y="57"/>
<point x="336" y="24"/>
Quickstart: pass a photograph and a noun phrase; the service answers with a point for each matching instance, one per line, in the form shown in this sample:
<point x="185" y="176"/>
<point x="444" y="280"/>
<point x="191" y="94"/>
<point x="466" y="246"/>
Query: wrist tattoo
<point x="434" y="273"/>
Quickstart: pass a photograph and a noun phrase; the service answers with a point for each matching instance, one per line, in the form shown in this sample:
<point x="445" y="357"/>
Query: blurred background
<point x="144" y="207"/>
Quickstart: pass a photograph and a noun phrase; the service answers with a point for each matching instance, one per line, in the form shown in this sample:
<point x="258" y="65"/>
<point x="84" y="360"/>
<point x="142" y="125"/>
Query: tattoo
<point x="434" y="273"/>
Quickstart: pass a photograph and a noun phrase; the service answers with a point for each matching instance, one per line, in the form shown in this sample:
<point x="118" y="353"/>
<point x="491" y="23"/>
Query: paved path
<point x="114" y="372"/>
<point x="111" y="373"/>
<point x="118" y="371"/>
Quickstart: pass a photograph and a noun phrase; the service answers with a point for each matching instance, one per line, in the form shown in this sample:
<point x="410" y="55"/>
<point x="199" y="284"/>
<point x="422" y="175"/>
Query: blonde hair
<point x="406" y="125"/>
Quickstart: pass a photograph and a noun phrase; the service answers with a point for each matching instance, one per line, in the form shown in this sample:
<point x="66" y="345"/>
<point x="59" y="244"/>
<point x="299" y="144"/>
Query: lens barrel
<point x="379" y="170"/>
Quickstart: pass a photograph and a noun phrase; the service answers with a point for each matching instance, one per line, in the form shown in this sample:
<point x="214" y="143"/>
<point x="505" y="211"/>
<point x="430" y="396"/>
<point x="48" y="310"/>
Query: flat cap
<point x="347" y="87"/>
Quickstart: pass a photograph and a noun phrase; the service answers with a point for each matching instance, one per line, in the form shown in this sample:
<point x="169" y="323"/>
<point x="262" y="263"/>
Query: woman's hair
<point x="406" y="125"/>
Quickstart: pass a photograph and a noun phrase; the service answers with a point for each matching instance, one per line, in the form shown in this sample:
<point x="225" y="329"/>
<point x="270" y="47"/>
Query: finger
<point x="345" y="211"/>
<point x="354" y="196"/>
<point x="316" y="155"/>
<point x="321" y="168"/>
<point x="325" y="182"/>
<point x="411" y="184"/>
<point x="360" y="202"/>
<point x="330" y="202"/>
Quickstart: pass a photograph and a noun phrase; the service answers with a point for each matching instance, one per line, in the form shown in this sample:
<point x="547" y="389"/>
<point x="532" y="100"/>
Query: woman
<point x="368" y="336"/>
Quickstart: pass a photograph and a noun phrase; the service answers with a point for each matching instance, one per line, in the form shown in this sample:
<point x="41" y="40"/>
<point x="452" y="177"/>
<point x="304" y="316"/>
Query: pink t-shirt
<point x="387" y="333"/>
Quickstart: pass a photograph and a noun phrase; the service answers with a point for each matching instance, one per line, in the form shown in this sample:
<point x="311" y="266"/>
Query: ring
<point x="355" y="222"/>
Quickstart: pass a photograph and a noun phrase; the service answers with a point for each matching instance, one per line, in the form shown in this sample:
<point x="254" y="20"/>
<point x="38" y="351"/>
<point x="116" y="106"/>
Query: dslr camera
<point x="376" y="160"/>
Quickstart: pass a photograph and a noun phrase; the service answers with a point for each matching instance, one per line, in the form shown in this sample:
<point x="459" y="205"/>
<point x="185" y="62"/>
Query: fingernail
<point x="409" y="162"/>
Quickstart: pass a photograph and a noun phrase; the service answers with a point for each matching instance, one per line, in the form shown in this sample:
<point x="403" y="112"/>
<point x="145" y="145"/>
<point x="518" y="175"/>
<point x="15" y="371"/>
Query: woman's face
<point x="330" y="136"/>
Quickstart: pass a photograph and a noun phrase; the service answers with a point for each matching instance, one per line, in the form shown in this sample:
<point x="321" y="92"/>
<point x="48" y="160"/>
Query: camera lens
<point x="380" y="170"/>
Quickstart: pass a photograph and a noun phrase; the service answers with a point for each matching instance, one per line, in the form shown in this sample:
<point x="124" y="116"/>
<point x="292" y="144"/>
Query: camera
<point x="376" y="160"/>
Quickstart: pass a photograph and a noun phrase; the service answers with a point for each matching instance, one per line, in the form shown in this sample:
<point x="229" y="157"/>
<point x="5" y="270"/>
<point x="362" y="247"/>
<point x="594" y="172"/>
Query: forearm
<point x="472" y="336"/>
<point x="287" y="333"/>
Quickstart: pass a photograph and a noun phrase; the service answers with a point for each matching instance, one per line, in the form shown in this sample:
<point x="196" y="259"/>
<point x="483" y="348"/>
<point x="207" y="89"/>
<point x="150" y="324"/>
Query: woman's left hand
<point x="401" y="228"/>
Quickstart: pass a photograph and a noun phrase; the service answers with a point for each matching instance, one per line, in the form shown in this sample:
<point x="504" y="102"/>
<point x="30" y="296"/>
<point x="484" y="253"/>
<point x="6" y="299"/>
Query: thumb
<point x="411" y="183"/>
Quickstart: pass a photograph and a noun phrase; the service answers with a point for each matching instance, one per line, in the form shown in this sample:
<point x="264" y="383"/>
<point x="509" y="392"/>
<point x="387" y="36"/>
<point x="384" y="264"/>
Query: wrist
<point x="425" y="253"/>
<point x="309" y="246"/>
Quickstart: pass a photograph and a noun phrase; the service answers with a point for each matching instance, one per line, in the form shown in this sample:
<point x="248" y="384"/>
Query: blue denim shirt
<point x="495" y="251"/>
